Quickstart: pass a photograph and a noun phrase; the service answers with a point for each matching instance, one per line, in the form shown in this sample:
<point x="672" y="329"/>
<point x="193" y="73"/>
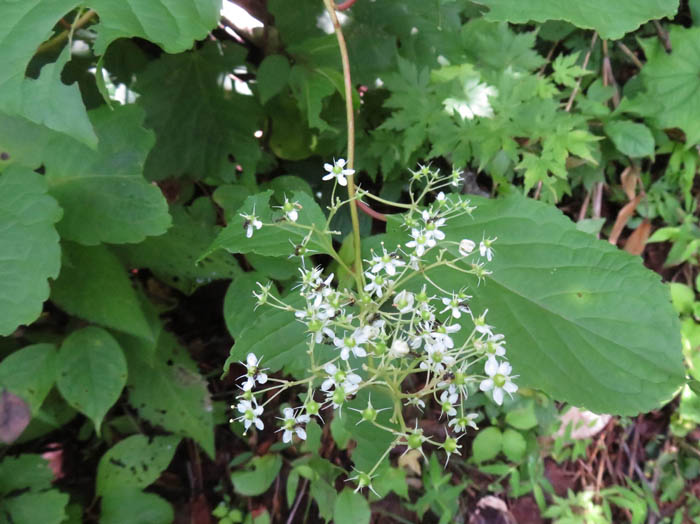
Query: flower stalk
<point x="350" y="117"/>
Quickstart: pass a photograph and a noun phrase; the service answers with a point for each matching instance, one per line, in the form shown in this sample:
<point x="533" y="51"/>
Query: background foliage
<point x="133" y="135"/>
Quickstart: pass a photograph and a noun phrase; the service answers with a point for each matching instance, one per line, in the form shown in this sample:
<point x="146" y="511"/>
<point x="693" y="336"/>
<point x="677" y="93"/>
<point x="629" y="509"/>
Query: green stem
<point x="350" y="115"/>
<point x="388" y="202"/>
<point x="62" y="37"/>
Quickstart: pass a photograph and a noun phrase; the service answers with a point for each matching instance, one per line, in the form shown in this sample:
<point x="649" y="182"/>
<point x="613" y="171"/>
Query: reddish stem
<point x="344" y="5"/>
<point x="369" y="211"/>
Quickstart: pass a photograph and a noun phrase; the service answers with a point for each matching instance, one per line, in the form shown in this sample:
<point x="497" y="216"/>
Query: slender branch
<point x="345" y="5"/>
<point x="63" y="36"/>
<point x="630" y="54"/>
<point x="663" y="36"/>
<point x="350" y="114"/>
<point x="369" y="211"/>
<point x="578" y="83"/>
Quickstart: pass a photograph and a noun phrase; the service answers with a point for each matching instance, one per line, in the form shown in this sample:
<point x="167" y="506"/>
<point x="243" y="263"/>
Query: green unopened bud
<point x="247" y="395"/>
<point x="450" y="445"/>
<point x="415" y="439"/>
<point x="338" y="396"/>
<point x="460" y="379"/>
<point x="312" y="407"/>
<point x="363" y="480"/>
<point x="369" y="414"/>
<point x="380" y="348"/>
<point x="365" y="299"/>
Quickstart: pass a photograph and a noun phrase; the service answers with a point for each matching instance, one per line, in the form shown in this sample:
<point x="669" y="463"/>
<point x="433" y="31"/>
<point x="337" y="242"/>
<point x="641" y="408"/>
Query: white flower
<point x="494" y="345"/>
<point x="485" y="249"/>
<point x="388" y="262"/>
<point x="437" y="359"/>
<point x="432" y="225"/>
<point x="456" y="305"/>
<point x="447" y="401"/>
<point x="290" y="210"/>
<point x="250" y="414"/>
<point x="481" y="326"/>
<point x="250" y="222"/>
<point x="416" y="401"/>
<point x="413" y="262"/>
<point x="291" y="424"/>
<point x="421" y="241"/>
<point x="337" y="378"/>
<point x="352" y="344"/>
<point x="399" y="348"/>
<point x="253" y="373"/>
<point x="466" y="246"/>
<point x="318" y="327"/>
<point x="441" y="335"/>
<point x="499" y="379"/>
<point x="338" y="171"/>
<point x="404" y="301"/>
<point x="376" y="284"/>
<point x="460" y="423"/>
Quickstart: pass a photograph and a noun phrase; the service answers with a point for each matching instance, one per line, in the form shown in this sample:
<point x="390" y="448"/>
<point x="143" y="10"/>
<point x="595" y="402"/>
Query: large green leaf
<point x="630" y="138"/>
<point x="49" y="102"/>
<point x="21" y="140"/>
<point x="611" y="19"/>
<point x="351" y="508"/>
<point x="276" y="336"/>
<point x="27" y="471"/>
<point x="30" y="373"/>
<point x="127" y="504"/>
<point x="91" y="372"/>
<point x="184" y="92"/>
<point x="172" y="24"/>
<point x="23" y="26"/>
<point x="168" y="391"/>
<point x="673" y="83"/>
<point x="273" y="240"/>
<point x="370" y="441"/>
<point x="31" y="253"/>
<point x="93" y="285"/>
<point x="103" y="193"/>
<point x="258" y="476"/>
<point x="310" y="87"/>
<point x="135" y="462"/>
<point x="585" y="322"/>
<point x="239" y="302"/>
<point x="25" y="483"/>
<point x="47" y="507"/>
<point x="172" y="256"/>
<point x="272" y="77"/>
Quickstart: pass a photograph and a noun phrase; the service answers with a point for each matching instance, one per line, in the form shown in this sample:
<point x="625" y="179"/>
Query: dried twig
<point x="578" y="83"/>
<point x="663" y="36"/>
<point x="300" y="496"/>
<point x="630" y="54"/>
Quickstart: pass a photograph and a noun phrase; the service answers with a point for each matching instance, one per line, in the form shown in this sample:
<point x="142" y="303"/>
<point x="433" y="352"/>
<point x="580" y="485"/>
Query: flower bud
<point x="450" y="445"/>
<point x="369" y="414"/>
<point x="415" y="439"/>
<point x="380" y="348"/>
<point x="312" y="407"/>
<point x="399" y="348"/>
<point x="466" y="246"/>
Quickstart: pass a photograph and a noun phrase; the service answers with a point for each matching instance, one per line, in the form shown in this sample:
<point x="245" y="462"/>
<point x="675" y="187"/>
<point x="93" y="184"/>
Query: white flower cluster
<point x="399" y="323"/>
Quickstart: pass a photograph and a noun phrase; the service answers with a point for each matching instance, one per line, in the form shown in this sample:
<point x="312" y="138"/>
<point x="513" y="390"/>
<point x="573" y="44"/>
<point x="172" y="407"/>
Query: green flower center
<point x="499" y="380"/>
